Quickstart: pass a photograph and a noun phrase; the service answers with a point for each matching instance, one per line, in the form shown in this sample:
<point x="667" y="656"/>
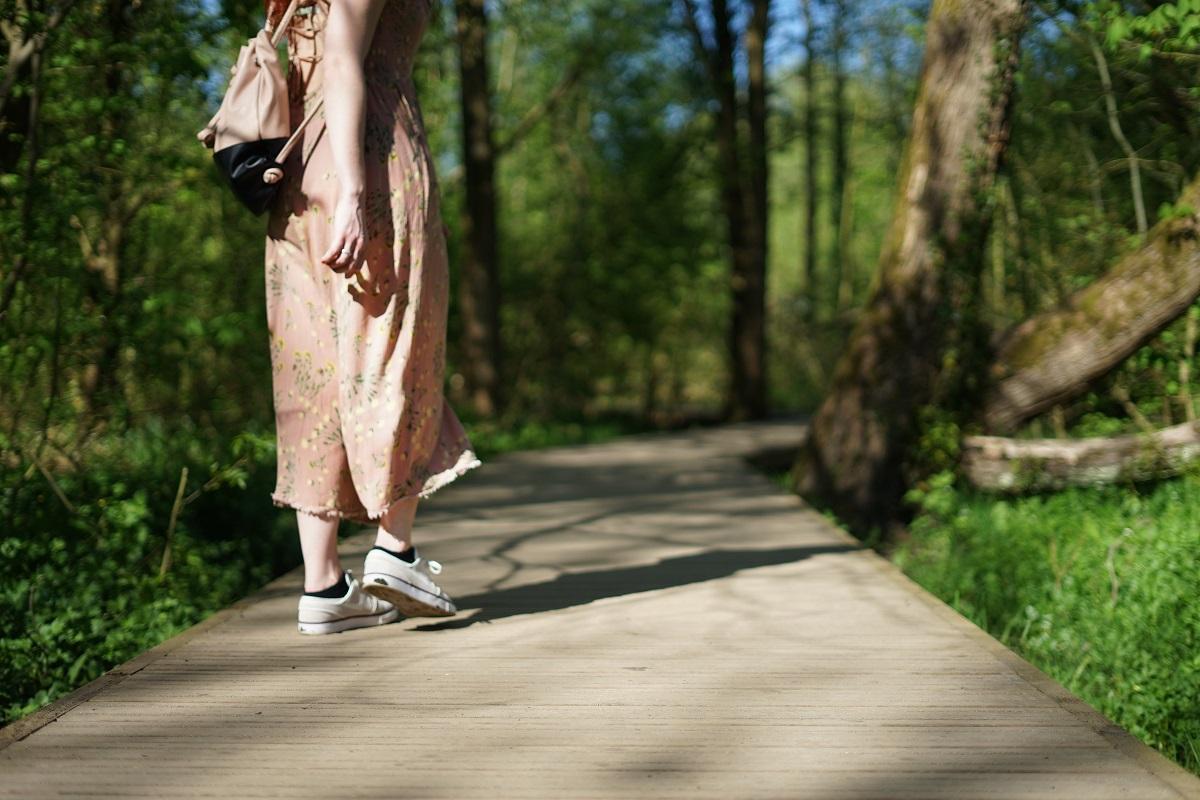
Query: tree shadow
<point x="579" y="588"/>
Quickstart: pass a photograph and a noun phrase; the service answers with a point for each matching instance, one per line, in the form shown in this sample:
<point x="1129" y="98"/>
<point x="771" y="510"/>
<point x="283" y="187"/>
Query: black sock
<point x="409" y="555"/>
<point x="339" y="589"/>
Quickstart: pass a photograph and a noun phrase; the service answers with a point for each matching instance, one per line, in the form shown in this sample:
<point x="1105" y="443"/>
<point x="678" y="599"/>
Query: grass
<point x="1100" y="588"/>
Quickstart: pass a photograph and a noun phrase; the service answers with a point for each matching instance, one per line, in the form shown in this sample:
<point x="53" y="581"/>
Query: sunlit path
<point x="645" y="618"/>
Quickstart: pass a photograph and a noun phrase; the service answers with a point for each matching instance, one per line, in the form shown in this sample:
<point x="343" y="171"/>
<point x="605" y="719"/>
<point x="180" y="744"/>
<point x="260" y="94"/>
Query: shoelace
<point x="434" y="568"/>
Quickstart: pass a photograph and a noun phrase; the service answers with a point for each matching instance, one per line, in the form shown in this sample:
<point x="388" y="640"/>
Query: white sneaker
<point x="408" y="586"/>
<point x="356" y="609"/>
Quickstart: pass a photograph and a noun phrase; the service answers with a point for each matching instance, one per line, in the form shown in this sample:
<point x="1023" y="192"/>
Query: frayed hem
<point x="324" y="512"/>
<point x="467" y="461"/>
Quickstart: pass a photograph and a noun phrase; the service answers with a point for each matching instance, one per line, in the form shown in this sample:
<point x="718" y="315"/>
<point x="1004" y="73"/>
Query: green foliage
<point x="1096" y="587"/>
<point x="1173" y="28"/>
<point x="613" y="282"/>
<point x="81" y="588"/>
<point x="491" y="437"/>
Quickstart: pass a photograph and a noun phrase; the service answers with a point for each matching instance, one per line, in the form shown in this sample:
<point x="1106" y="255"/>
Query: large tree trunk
<point x="855" y="455"/>
<point x="1054" y="357"/>
<point x="479" y="277"/>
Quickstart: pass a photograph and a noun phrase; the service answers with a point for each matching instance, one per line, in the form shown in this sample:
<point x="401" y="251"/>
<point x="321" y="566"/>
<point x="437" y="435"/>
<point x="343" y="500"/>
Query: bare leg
<point x="318" y="543"/>
<point x="395" y="527"/>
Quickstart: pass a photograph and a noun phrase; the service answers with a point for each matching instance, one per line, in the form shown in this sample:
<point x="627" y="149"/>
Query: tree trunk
<point x="479" y="276"/>
<point x="1053" y="357"/>
<point x="837" y="192"/>
<point x="862" y="434"/>
<point x="810" y="157"/>
<point x="746" y="397"/>
<point x="749" y="294"/>
<point x="733" y="203"/>
<point x="26" y="45"/>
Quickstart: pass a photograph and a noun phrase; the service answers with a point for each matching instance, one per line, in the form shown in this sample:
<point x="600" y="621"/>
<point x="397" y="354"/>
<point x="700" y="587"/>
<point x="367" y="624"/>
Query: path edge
<point x="51" y="712"/>
<point x="1186" y="784"/>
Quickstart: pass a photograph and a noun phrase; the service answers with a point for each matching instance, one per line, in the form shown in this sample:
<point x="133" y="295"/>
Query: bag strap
<point x="294" y="139"/>
<point x="276" y="33"/>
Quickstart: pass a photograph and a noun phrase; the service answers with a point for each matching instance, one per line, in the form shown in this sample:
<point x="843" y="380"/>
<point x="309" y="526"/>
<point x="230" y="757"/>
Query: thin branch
<point x="1114" y="125"/>
<point x="543" y="109"/>
<point x="165" y="564"/>
<point x="58" y="492"/>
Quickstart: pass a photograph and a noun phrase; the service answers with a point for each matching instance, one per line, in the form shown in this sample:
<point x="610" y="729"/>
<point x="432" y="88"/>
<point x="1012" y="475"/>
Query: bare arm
<point x="348" y="34"/>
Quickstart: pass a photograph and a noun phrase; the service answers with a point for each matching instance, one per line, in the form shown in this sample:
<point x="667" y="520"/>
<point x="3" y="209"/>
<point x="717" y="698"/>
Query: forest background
<point x="588" y="153"/>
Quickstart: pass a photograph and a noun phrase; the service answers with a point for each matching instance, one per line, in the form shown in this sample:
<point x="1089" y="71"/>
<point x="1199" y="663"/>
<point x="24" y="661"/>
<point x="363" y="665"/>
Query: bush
<point x="80" y="589"/>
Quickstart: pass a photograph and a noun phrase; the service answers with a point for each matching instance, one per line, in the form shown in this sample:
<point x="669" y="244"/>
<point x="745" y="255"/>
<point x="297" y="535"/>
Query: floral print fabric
<point x="357" y="372"/>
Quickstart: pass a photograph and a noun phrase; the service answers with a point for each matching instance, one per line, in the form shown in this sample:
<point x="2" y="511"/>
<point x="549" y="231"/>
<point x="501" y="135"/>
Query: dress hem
<point x="467" y="461"/>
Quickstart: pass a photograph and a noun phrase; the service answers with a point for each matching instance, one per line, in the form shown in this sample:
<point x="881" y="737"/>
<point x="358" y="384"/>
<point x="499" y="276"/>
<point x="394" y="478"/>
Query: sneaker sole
<point x="338" y="625"/>
<point x="411" y="600"/>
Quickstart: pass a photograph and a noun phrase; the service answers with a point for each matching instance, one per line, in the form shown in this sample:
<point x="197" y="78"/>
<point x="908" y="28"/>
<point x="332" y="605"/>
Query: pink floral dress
<point x="361" y="419"/>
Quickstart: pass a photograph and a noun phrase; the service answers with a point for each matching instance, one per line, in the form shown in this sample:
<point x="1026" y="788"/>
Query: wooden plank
<point x="644" y="618"/>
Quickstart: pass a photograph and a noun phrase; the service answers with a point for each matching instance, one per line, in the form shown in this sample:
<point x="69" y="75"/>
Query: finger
<point x="344" y="259"/>
<point x="362" y="277"/>
<point x="350" y="255"/>
<point x="331" y="255"/>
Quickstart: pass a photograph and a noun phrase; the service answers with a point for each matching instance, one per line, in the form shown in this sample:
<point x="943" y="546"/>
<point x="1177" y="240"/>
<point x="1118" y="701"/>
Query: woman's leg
<point x="395" y="527"/>
<point x="318" y="543"/>
<point x="400" y="575"/>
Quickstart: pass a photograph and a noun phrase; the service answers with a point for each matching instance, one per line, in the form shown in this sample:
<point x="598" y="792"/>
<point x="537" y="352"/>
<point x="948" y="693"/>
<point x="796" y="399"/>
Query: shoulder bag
<point x="251" y="135"/>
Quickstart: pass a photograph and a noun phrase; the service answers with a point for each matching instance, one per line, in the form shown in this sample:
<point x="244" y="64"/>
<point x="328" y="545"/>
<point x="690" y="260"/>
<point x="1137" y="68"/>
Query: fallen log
<point x="1000" y="464"/>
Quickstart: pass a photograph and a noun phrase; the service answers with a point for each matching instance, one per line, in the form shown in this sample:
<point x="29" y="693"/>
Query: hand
<point x="348" y="246"/>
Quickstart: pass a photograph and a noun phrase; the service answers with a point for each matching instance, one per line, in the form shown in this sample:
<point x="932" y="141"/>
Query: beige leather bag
<point x="251" y="134"/>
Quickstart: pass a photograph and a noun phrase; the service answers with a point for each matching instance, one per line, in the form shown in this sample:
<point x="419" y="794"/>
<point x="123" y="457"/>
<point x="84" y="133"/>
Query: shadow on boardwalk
<point x="579" y="588"/>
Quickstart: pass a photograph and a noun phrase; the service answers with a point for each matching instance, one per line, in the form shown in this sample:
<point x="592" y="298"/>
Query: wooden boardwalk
<point x="645" y="618"/>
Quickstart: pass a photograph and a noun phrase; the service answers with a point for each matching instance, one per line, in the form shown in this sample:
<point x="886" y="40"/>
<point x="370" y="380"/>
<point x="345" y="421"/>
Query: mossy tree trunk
<point x="1056" y="356"/>
<point x="860" y="438"/>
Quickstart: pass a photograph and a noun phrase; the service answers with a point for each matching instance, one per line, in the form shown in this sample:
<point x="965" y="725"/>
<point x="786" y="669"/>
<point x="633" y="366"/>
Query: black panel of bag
<point x="243" y="166"/>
